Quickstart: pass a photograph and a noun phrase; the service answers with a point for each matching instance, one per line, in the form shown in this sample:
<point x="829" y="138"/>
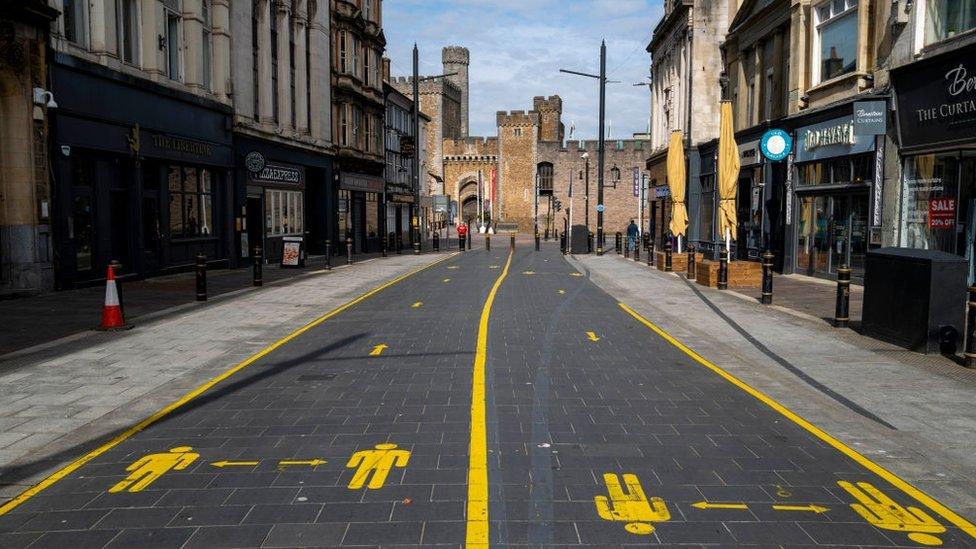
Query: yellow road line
<point x="477" y="530"/>
<point x="887" y="475"/>
<point x="128" y="433"/>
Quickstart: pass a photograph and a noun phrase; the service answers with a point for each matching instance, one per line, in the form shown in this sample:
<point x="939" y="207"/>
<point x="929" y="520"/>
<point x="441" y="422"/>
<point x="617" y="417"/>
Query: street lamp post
<point x="535" y="217"/>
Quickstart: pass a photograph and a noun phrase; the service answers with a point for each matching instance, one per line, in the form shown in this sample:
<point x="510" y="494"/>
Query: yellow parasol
<point x="728" y="172"/>
<point x="676" y="182"/>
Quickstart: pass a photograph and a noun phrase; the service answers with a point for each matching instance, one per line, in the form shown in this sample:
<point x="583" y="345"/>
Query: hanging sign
<point x="776" y="145"/>
<point x="637" y="182"/>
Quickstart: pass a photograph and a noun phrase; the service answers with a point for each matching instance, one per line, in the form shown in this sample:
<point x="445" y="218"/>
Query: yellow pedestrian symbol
<point x="631" y="507"/>
<point x="882" y="512"/>
<point x="149" y="468"/>
<point x="379" y="462"/>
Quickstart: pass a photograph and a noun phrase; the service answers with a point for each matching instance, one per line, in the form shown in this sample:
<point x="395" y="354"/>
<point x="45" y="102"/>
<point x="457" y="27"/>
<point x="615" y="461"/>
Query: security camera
<point x="585" y="155"/>
<point x="44" y="97"/>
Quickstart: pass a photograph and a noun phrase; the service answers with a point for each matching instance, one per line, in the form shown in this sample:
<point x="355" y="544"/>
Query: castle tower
<point x="518" y="143"/>
<point x="550" y="111"/>
<point x="456" y="59"/>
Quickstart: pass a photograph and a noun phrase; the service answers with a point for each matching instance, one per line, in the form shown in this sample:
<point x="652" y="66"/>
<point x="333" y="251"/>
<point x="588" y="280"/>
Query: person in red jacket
<point x="462" y="231"/>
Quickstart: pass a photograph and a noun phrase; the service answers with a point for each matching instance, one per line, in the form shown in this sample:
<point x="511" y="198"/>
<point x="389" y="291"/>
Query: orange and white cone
<point x="112" y="318"/>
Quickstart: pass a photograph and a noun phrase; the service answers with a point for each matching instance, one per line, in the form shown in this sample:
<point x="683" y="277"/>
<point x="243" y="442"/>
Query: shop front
<point x="833" y="175"/>
<point x="399" y="208"/>
<point x="658" y="199"/>
<point x="359" y="210"/>
<point x="936" y="115"/>
<point x="284" y="196"/>
<point x="142" y="176"/>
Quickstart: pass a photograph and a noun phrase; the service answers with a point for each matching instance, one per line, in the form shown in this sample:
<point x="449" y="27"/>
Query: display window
<point x="284" y="212"/>
<point x="191" y="202"/>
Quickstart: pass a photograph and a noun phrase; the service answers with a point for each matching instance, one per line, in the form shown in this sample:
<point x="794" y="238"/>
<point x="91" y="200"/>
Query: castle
<point x="527" y="145"/>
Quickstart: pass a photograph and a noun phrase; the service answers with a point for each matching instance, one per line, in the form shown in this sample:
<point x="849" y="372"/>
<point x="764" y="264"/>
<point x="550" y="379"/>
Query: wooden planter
<point x="742" y="274"/>
<point x="679" y="262"/>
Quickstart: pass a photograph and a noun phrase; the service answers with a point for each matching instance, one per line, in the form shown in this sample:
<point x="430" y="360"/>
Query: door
<point x="81" y="231"/>
<point x="255" y="223"/>
<point x="119" y="211"/>
<point x="832" y="231"/>
<point x="151" y="236"/>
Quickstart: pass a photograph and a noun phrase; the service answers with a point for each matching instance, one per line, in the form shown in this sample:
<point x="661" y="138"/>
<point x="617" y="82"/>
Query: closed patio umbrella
<point x="728" y="174"/>
<point x="676" y="182"/>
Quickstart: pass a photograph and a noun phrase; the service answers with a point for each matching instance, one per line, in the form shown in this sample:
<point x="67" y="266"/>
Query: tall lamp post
<point x="602" y="77"/>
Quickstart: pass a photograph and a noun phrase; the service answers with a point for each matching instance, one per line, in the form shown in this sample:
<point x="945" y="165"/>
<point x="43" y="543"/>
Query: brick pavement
<point x="599" y="432"/>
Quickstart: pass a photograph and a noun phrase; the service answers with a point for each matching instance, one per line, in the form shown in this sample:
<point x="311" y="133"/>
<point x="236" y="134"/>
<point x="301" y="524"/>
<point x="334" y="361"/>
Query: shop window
<point x="284" y="212"/>
<point x="837" y="171"/>
<point x="75" y="21"/>
<point x="837" y="38"/>
<point x="930" y="202"/>
<point x="190" y="202"/>
<point x="345" y="217"/>
<point x="372" y="215"/>
<point x="173" y="20"/>
<point x="945" y="19"/>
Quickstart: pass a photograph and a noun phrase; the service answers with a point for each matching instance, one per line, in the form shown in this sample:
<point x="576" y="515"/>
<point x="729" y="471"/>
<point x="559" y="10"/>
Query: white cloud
<point x="518" y="46"/>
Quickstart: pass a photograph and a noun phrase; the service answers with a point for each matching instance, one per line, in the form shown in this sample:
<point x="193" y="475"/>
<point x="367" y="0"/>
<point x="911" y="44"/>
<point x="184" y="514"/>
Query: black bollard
<point x="547" y="234"/>
<point x="627" y="249"/>
<point x="767" y="280"/>
<point x="691" y="273"/>
<point x="723" y="270"/>
<point x="562" y="243"/>
<point x="328" y="255"/>
<point x="511" y="242"/>
<point x="971" y="329"/>
<point x="537" y="242"/>
<point x="667" y="255"/>
<point x="348" y="250"/>
<point x="201" y="277"/>
<point x="437" y="242"/>
<point x="460" y="243"/>
<point x="599" y="241"/>
<point x="398" y="237"/>
<point x="469" y="240"/>
<point x="416" y="242"/>
<point x="258" y="279"/>
<point x="636" y="251"/>
<point x="616" y="241"/>
<point x="842" y="314"/>
<point x="488" y="242"/>
<point x="383" y="246"/>
<point x="650" y="254"/>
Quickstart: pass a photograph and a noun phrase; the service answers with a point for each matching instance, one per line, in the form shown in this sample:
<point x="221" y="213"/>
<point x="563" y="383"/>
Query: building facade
<point x="26" y="252"/>
<point x="358" y="112"/>
<point x="401" y="197"/>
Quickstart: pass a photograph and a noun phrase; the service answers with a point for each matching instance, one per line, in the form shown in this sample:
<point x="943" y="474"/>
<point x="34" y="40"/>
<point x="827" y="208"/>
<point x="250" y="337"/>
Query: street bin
<point x="579" y="241"/>
<point x="915" y="299"/>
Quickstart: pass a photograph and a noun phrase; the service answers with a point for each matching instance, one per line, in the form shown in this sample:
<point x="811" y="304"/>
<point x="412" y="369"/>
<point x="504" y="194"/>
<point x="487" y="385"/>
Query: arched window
<point x="545" y="171"/>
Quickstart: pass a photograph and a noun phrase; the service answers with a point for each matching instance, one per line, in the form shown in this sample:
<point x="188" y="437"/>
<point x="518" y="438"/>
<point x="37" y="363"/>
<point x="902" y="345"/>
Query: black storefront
<point x="283" y="193"/>
<point x="360" y="207"/>
<point x="142" y="175"/>
<point x="936" y="115"/>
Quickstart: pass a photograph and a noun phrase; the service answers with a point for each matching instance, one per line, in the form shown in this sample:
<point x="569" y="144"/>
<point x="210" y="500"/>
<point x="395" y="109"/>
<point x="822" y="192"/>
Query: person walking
<point x="632" y="231"/>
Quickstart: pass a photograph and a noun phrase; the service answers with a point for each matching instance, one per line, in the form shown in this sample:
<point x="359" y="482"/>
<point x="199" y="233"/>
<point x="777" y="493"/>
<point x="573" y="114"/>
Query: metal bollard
<point x="383" y="244"/>
<point x="600" y="241"/>
<point x="488" y="242"/>
<point x="723" y="270"/>
<point x="201" y="277"/>
<point x="511" y="242"/>
<point x="469" y="240"/>
<point x="398" y="237"/>
<point x="436" y="242"/>
<point x="667" y="255"/>
<point x="562" y="243"/>
<point x="691" y="273"/>
<point x="258" y="279"/>
<point x="547" y="234"/>
<point x="589" y="242"/>
<point x="650" y="254"/>
<point x="636" y="250"/>
<point x="627" y="249"/>
<point x="970" y="353"/>
<point x="461" y="243"/>
<point x="416" y="242"/>
<point x="616" y="241"/>
<point x="537" y="242"/>
<point x="348" y="250"/>
<point x="328" y="254"/>
<point x="842" y="314"/>
<point x="767" y="278"/>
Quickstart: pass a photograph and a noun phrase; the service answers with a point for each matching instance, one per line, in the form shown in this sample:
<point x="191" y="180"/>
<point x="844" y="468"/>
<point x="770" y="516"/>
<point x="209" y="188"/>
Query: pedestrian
<point x="632" y="231"/>
<point x="462" y="230"/>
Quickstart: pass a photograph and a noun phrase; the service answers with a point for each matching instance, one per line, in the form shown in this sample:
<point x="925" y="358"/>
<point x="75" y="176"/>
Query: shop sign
<point x="401" y="198"/>
<point x="776" y="144"/>
<point x="291" y="252"/>
<point x="878" y="182"/>
<point x="407" y="147"/>
<point x="441" y="203"/>
<point x="637" y="182"/>
<point x="870" y="117"/>
<point x="279" y="174"/>
<point x="662" y="192"/>
<point x="361" y="182"/>
<point x="182" y="145"/>
<point x="936" y="99"/>
<point x="942" y="213"/>
<point x="749" y="153"/>
<point x="830" y="139"/>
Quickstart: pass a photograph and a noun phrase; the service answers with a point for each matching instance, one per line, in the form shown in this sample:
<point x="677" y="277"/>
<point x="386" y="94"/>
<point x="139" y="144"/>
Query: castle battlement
<point x="517" y="118"/>
<point x="404" y="85"/>
<point x="552" y="103"/>
<point x="455" y="55"/>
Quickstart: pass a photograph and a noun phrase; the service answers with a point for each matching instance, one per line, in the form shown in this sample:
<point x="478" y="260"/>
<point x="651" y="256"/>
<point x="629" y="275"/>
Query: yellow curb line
<point x="477" y="528"/>
<point x="887" y="475"/>
<point x="128" y="433"/>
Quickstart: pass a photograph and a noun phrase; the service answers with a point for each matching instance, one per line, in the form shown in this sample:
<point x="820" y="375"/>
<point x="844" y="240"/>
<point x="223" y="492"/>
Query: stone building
<point x="686" y="66"/>
<point x="25" y="195"/>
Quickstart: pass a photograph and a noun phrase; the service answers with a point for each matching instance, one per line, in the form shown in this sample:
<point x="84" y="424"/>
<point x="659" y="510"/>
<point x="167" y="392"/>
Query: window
<point x="75" y="24"/>
<point x="206" y="44"/>
<point x="190" y="202"/>
<point x="128" y="30"/>
<point x="284" y="212"/>
<point x="342" y="52"/>
<point x="343" y="124"/>
<point x="947" y="18"/>
<point x="837" y="171"/>
<point x="768" y="96"/>
<point x="930" y="185"/>
<point x="368" y="10"/>
<point x="372" y="215"/>
<point x="356" y="121"/>
<point x="354" y="46"/>
<point x="291" y="71"/>
<point x="545" y="170"/>
<point x="366" y="72"/>
<point x="173" y="21"/>
<point x="837" y="35"/>
<point x="255" y="58"/>
<point x="369" y="133"/>
<point x="345" y="218"/>
<point x="517" y="132"/>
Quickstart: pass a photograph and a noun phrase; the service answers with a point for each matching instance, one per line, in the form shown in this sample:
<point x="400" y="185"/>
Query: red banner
<point x="942" y="213"/>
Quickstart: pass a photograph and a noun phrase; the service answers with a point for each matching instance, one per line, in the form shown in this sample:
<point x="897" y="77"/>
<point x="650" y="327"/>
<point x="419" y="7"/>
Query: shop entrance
<point x="255" y="223"/>
<point x="832" y="231"/>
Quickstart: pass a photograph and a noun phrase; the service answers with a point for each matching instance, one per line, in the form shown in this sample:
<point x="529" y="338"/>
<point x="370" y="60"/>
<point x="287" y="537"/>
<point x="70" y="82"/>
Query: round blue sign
<point x="776" y="145"/>
<point x="600" y="208"/>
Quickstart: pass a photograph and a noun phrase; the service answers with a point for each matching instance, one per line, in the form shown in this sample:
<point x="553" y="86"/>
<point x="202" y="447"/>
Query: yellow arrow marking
<point x="707" y="505"/>
<point x="378" y="350"/>
<point x="309" y="462"/>
<point x="804" y="508"/>
<point x="529" y="273"/>
<point x="492" y="266"/>
<point x="222" y="464"/>
<point x="447" y="280"/>
<point x="592" y="336"/>
<point x="418" y="305"/>
<point x="561" y="292"/>
<point x="575" y="274"/>
<point x="452" y="267"/>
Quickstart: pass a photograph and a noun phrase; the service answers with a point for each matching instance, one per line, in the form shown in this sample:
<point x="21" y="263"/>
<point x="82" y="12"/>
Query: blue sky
<point x="518" y="46"/>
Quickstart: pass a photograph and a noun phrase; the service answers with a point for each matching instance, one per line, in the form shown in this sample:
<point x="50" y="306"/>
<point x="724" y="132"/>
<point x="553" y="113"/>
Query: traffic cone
<point x="112" y="317"/>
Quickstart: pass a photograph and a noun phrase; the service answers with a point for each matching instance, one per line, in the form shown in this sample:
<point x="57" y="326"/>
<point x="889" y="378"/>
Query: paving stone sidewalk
<point x="911" y="413"/>
<point x="56" y="408"/>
